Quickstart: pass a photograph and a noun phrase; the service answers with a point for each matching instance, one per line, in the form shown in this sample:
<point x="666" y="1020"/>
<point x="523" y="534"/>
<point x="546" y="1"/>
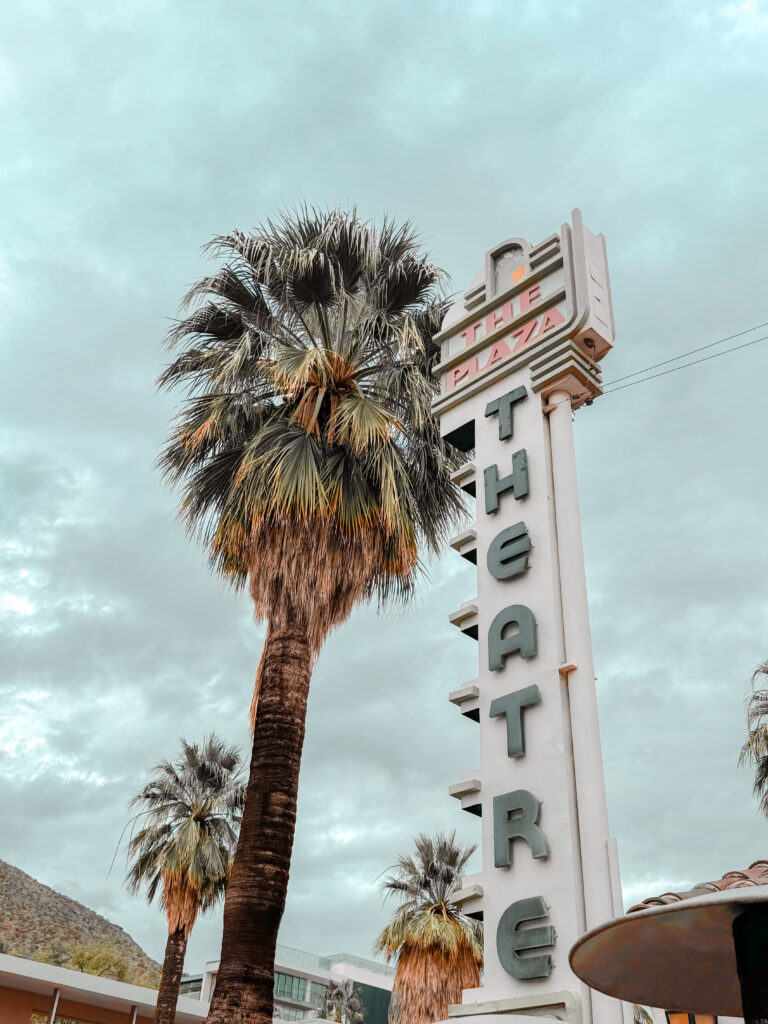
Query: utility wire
<point x="684" y="366"/>
<point x="692" y="352"/>
<point x="702" y="348"/>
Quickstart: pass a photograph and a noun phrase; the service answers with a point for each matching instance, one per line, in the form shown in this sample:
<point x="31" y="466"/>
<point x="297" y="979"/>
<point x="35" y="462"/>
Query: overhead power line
<point x="691" y="352"/>
<point x="684" y="366"/>
<point x="609" y="385"/>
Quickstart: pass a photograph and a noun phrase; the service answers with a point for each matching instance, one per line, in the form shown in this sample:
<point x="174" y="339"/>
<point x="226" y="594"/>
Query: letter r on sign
<point x="516" y="815"/>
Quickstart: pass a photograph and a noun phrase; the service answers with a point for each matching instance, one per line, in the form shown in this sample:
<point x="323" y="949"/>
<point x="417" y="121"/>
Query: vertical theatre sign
<point x="519" y="352"/>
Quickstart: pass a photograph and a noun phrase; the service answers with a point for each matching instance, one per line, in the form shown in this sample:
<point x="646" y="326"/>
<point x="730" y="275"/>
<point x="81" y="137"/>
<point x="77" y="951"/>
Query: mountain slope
<point x="40" y="923"/>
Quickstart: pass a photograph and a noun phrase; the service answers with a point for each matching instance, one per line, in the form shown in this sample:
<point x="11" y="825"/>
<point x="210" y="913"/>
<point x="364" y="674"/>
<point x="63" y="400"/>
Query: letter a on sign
<point x="522" y="642"/>
<point x="552" y="318"/>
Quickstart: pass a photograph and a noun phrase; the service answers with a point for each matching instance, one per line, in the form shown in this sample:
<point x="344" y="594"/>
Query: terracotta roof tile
<point x="755" y="874"/>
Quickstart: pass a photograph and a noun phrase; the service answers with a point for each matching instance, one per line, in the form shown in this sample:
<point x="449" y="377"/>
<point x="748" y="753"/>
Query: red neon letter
<point x="552" y="318"/>
<point x="470" y="335"/>
<point x="524" y="334"/>
<point x="468" y="370"/>
<point x="499" y="350"/>
<point x="498" y="317"/>
<point x="529" y="297"/>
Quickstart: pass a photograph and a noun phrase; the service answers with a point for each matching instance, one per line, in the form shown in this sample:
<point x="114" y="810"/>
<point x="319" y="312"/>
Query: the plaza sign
<point x="519" y="352"/>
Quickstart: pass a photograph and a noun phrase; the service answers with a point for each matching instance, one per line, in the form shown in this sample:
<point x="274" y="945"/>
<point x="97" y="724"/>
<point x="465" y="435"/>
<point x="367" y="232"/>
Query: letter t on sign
<point x="504" y="407"/>
<point x="511" y="705"/>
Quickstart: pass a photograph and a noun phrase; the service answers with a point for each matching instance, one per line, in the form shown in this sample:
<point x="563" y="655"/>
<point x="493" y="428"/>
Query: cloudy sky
<point x="133" y="131"/>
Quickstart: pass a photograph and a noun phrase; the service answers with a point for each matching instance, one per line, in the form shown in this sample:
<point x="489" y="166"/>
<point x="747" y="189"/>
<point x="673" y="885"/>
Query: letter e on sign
<point x="511" y="939"/>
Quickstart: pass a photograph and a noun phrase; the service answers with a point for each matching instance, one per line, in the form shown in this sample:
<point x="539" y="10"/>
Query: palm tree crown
<point x="426" y="884"/>
<point x="755" y="749"/>
<point x="307" y="453"/>
<point x="439" y="949"/>
<point x="191" y="811"/>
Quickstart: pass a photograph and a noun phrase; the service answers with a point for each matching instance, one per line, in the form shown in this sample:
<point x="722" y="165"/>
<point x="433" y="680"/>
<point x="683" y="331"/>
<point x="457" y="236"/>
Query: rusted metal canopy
<point x="678" y="955"/>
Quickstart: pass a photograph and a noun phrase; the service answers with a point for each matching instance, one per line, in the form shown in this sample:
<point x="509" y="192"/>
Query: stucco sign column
<point x="519" y="353"/>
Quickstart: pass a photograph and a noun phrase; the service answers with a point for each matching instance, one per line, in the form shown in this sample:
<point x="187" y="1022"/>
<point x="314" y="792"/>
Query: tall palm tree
<point x="311" y="467"/>
<point x="439" y="950"/>
<point x="190" y="812"/>
<point x="755" y="749"/>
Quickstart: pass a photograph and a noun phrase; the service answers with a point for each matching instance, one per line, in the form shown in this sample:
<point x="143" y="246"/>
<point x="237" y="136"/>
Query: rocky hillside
<point x="42" y="924"/>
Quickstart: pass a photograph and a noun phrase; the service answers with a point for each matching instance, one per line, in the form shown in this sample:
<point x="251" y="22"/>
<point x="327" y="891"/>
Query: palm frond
<point x="755" y="749"/>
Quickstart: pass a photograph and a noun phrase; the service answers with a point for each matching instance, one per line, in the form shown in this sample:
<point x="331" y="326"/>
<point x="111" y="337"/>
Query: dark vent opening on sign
<point x="462" y="437"/>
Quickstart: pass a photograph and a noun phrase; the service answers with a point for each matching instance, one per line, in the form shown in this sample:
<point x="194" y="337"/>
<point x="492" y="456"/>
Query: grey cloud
<point x="136" y="131"/>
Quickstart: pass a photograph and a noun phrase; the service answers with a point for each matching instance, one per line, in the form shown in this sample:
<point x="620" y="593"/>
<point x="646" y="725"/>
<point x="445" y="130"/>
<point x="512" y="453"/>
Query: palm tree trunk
<point x="256" y="890"/>
<point x="428" y="980"/>
<point x="173" y="966"/>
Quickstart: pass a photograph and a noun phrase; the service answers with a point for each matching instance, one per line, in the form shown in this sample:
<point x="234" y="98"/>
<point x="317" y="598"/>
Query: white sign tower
<point x="520" y="351"/>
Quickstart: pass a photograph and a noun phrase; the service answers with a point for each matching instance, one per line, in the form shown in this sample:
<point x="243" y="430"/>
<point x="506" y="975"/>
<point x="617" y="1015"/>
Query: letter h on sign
<point x="516" y="481"/>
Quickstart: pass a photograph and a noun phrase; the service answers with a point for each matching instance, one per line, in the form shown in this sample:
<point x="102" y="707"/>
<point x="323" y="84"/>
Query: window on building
<point x="289" y="1013"/>
<point x="288" y="986"/>
<point x="317" y="993"/>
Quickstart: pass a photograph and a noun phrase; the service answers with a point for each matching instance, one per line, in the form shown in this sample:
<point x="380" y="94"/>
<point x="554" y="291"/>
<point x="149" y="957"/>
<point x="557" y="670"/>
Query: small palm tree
<point x="439" y="950"/>
<point x="343" y="1003"/>
<point x="755" y="749"/>
<point x="190" y="813"/>
<point x="312" y="468"/>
